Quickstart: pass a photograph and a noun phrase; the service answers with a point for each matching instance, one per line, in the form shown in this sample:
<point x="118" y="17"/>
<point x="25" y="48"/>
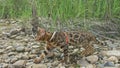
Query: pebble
<point x="35" y="46"/>
<point x="75" y="50"/>
<point x="92" y="58"/>
<point x="4" y="65"/>
<point x="9" y="47"/>
<point x="20" y="49"/>
<point x="18" y="38"/>
<point x="38" y="66"/>
<point x="11" y="53"/>
<point x="90" y="66"/>
<point x="82" y="62"/>
<point x="7" y="60"/>
<point x="109" y="64"/>
<point x="14" y="60"/>
<point x="20" y="62"/>
<point x="113" y="59"/>
<point x="111" y="53"/>
<point x="1" y="51"/>
<point x="32" y="56"/>
<point x="60" y="66"/>
<point x="25" y="57"/>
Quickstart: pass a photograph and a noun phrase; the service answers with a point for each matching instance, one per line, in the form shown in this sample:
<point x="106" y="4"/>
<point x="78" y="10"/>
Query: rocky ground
<point x="18" y="49"/>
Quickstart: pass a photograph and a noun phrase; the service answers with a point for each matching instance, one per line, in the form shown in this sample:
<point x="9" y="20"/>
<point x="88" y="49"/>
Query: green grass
<point x="61" y="9"/>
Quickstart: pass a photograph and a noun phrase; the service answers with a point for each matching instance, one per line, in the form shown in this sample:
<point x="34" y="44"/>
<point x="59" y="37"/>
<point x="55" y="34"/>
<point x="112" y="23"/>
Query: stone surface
<point x="20" y="49"/>
<point x="109" y="64"/>
<point x="20" y="62"/>
<point x="38" y="66"/>
<point x="90" y="66"/>
<point x="113" y="59"/>
<point x="92" y="58"/>
<point x="111" y="53"/>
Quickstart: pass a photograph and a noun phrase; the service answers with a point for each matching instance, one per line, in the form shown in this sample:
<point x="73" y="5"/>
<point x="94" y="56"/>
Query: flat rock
<point x="11" y="53"/>
<point x="92" y="58"/>
<point x="37" y="66"/>
<point x="16" y="66"/>
<point x="113" y="59"/>
<point x="20" y="62"/>
<point x="1" y="51"/>
<point x="109" y="64"/>
<point x="20" y="49"/>
<point x="9" y="47"/>
<point x="111" y="53"/>
<point x="90" y="66"/>
<point x="82" y="62"/>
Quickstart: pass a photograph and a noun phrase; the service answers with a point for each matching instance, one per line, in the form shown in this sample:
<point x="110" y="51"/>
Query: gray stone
<point x="38" y="66"/>
<point x="20" y="49"/>
<point x="7" y="60"/>
<point x="111" y="53"/>
<point x="35" y="46"/>
<point x="113" y="59"/>
<point x="91" y="66"/>
<point x="1" y="51"/>
<point x="16" y="66"/>
<point x="11" y="53"/>
<point x="92" y="58"/>
<point x="25" y="57"/>
<point x="9" y="47"/>
<point x="14" y="60"/>
<point x="82" y="62"/>
<point x="109" y="64"/>
<point x="20" y="62"/>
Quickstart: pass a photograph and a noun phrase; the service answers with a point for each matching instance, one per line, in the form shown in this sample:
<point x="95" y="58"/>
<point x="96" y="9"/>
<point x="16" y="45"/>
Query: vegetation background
<point x="62" y="9"/>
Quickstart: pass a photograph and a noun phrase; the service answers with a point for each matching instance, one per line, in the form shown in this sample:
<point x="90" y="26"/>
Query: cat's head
<point x="42" y="34"/>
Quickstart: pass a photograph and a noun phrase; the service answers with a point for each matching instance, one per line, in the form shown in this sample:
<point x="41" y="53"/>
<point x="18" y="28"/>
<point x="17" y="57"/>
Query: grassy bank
<point x="61" y="9"/>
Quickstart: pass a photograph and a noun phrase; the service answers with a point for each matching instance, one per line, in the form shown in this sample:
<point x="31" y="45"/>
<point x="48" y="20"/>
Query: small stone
<point x="49" y="65"/>
<point x="70" y="47"/>
<point x="113" y="59"/>
<point x="13" y="36"/>
<point x="4" y="65"/>
<point x="35" y="51"/>
<point x="20" y="62"/>
<point x="25" y="57"/>
<point x="92" y="58"/>
<point x="16" y="66"/>
<point x="7" y="60"/>
<point x="111" y="53"/>
<point x="13" y="31"/>
<point x="1" y="51"/>
<point x="82" y="62"/>
<point x="55" y="63"/>
<point x="61" y="66"/>
<point x="9" y="47"/>
<point x="11" y="53"/>
<point x="75" y="50"/>
<point x="19" y="38"/>
<point x="20" y="49"/>
<point x="14" y="60"/>
<point x="27" y="49"/>
<point x="39" y="66"/>
<point x="90" y="66"/>
<point x="32" y="56"/>
<point x="109" y="64"/>
<point x="26" y="40"/>
<point x="35" y="46"/>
